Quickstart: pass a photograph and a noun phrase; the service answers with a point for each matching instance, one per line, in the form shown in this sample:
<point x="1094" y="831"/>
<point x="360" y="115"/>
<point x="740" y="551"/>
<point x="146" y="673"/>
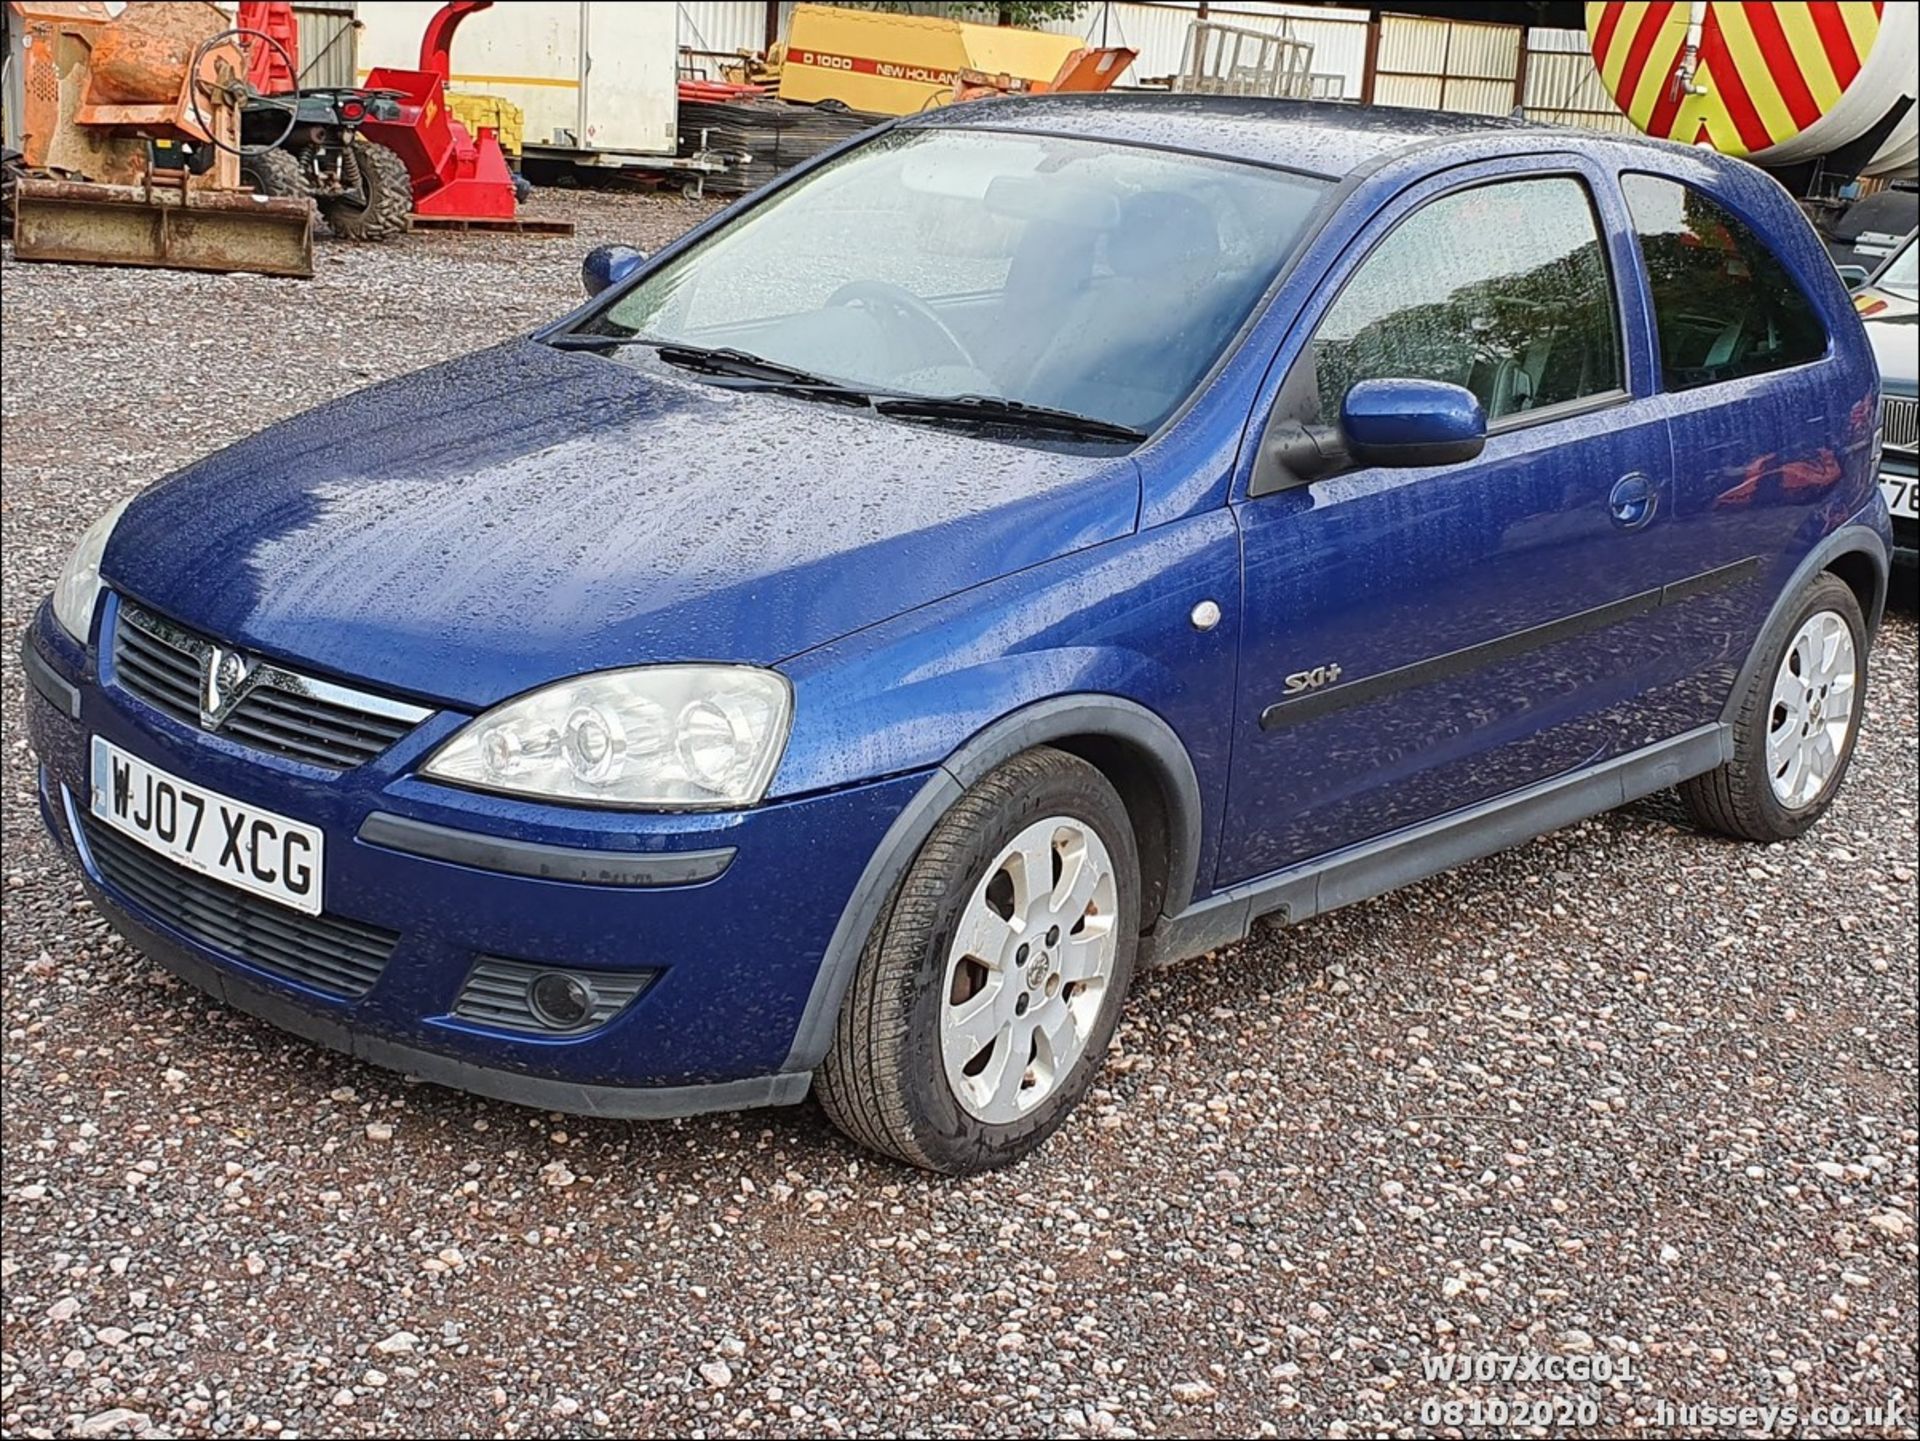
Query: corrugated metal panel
<point x="1159" y="32"/>
<point x="1546" y="40"/>
<point x="1485" y="52"/>
<point x="1442" y="64"/>
<point x="1339" y="40"/>
<point x="724" y="26"/>
<point x="1413" y="45"/>
<point x="1564" y="86"/>
<point x="328" y="43"/>
<point x="1422" y="92"/>
<point x="1477" y="97"/>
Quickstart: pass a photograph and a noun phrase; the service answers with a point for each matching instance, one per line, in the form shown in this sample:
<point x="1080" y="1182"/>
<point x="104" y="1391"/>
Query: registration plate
<point x="1903" y="495"/>
<point x="249" y="848"/>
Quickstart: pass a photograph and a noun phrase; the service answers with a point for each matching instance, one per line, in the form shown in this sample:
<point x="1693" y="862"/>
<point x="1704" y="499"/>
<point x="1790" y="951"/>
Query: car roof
<point x="1332" y="140"/>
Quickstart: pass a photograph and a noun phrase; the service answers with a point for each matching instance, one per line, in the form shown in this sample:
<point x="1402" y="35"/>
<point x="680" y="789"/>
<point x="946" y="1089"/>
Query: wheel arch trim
<point x="1853" y="538"/>
<point x="1055" y="719"/>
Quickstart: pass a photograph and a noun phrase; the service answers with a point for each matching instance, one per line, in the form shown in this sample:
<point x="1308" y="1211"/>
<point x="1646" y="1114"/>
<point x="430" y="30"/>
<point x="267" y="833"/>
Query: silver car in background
<point x="1889" y="303"/>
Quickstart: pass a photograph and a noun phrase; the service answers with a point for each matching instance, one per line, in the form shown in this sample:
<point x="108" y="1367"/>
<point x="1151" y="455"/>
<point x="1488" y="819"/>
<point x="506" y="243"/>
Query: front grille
<point x="328" y="952"/>
<point x="499" y="992"/>
<point x="280" y="712"/>
<point x="1898" y="415"/>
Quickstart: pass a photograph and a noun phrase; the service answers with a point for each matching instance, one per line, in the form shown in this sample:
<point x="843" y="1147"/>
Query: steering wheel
<point x="899" y="307"/>
<point x="234" y="91"/>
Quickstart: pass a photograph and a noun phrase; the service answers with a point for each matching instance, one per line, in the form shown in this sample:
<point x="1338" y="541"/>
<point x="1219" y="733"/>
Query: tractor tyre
<point x="274" y="173"/>
<point x="385" y="202"/>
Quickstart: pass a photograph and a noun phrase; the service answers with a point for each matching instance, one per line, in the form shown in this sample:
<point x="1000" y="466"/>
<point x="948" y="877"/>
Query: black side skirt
<point x="1375" y="867"/>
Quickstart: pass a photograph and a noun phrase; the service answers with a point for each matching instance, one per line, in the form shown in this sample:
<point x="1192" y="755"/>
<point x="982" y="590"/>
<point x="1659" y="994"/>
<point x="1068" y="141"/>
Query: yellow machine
<point x="886" y="64"/>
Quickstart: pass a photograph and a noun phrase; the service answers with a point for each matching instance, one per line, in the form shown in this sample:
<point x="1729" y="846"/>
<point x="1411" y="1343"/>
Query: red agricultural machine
<point x="383" y="157"/>
<point x="460" y="177"/>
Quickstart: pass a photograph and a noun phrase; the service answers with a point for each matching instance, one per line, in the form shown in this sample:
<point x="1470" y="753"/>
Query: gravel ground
<point x="1626" y="1092"/>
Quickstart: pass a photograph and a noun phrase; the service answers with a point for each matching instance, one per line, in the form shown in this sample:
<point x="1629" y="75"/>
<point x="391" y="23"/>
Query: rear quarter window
<point x="1724" y="305"/>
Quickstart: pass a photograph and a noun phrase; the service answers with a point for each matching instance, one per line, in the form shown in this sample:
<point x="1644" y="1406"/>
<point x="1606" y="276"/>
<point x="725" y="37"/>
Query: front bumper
<point x="1900" y="484"/>
<point x="734" y="948"/>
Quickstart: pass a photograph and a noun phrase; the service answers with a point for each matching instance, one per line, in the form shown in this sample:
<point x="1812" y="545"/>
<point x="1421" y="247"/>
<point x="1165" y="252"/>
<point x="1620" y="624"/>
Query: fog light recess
<point x="544" y="999"/>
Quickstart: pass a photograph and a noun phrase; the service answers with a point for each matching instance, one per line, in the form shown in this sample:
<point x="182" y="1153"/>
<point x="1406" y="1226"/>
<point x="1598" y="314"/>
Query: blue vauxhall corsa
<point x="1036" y="541"/>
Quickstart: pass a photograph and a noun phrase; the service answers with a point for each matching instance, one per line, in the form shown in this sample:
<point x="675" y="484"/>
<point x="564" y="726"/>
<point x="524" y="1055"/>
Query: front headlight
<point x="78" y="590"/>
<point x="665" y="736"/>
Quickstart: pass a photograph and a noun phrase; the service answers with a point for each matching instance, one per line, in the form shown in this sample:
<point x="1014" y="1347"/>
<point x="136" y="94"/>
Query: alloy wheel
<point x="1028" y="969"/>
<point x="1812" y="714"/>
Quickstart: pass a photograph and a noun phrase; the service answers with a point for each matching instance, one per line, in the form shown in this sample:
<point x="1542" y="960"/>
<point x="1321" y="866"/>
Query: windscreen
<point x="1903" y="272"/>
<point x="1085" y="276"/>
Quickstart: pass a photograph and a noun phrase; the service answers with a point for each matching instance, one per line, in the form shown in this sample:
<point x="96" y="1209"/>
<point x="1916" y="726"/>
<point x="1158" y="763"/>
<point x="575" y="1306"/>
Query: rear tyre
<point x="1795" y="727"/>
<point x="274" y="172"/>
<point x="385" y="200"/>
<point x="989" y="990"/>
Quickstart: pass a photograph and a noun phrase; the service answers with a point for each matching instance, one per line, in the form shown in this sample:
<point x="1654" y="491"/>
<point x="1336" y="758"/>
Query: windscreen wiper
<point x="587" y="340"/>
<point x="995" y="410"/>
<point x="725" y="360"/>
<point x="710" y="360"/>
<point x="975" y="409"/>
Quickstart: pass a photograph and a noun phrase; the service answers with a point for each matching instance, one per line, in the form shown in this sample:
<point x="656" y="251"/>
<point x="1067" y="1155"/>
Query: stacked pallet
<point x="775" y="134"/>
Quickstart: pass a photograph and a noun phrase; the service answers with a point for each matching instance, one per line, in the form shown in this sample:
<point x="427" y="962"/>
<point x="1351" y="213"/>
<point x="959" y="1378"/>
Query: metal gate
<point x="1461" y="65"/>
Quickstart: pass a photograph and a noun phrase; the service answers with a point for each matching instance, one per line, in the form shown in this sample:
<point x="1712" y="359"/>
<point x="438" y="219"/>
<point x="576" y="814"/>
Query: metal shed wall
<point x="328" y="43"/>
<point x="1159" y="32"/>
<point x="1564" y="86"/>
<point x="723" y="25"/>
<point x="1448" y="65"/>
<point x="1431" y="62"/>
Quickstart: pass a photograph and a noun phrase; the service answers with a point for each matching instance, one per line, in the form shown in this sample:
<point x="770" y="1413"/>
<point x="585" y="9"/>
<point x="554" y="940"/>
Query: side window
<point x="1723" y="304"/>
<point x="1503" y="289"/>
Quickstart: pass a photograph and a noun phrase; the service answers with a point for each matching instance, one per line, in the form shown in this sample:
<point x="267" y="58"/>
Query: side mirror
<point x="608" y="265"/>
<point x="1855" y="276"/>
<point x="1412" y="422"/>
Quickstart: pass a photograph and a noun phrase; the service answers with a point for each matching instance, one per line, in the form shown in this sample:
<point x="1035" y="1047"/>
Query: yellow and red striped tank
<point x="1777" y="83"/>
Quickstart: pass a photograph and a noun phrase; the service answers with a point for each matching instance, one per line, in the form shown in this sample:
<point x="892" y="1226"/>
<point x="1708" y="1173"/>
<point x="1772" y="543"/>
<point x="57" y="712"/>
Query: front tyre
<point x="1794" y="730"/>
<point x="988" y="992"/>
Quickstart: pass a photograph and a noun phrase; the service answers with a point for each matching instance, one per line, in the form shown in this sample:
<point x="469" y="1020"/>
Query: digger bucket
<point x="219" y="230"/>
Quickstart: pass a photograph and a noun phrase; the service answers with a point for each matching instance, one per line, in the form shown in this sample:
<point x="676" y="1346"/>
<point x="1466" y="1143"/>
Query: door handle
<point x="1634" y="500"/>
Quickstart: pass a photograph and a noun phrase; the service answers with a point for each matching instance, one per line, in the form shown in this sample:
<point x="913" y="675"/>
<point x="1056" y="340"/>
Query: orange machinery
<point x="1083" y="72"/>
<point x="129" y="133"/>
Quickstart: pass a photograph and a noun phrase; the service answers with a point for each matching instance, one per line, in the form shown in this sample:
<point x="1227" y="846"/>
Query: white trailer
<point x="597" y="79"/>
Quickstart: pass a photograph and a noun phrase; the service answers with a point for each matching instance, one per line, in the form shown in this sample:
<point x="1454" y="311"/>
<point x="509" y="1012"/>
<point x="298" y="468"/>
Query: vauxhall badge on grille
<point x="224" y="681"/>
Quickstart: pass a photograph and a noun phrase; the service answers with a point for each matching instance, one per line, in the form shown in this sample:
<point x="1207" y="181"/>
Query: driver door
<point x="1419" y="639"/>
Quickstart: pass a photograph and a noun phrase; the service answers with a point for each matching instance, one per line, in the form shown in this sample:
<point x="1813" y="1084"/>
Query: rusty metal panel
<point x="329" y="43"/>
<point x="65" y="220"/>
